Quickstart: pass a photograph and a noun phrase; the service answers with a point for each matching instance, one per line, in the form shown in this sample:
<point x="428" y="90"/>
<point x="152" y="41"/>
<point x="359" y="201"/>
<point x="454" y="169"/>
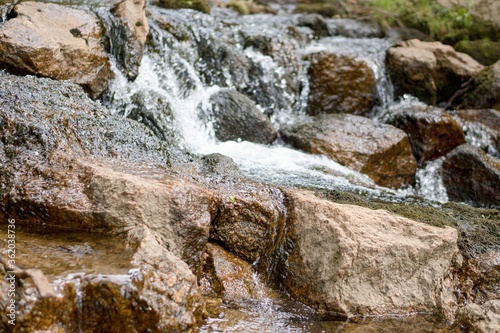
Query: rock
<point x="481" y="128"/>
<point x="199" y="5"/>
<point x="160" y="296"/>
<point x="430" y="71"/>
<point x="381" y="151"/>
<point x="315" y="22"/>
<point x="324" y="9"/>
<point x="220" y="165"/>
<point x="484" y="91"/>
<point x="340" y="84"/>
<point x="227" y="276"/>
<point x="433" y="132"/>
<point x="132" y="15"/>
<point x="245" y="7"/>
<point x="55" y="41"/>
<point x="484" y="51"/>
<point x="71" y="165"/>
<point x="353" y="262"/>
<point x="483" y="318"/>
<point x="235" y="117"/>
<point x="354" y="29"/>
<point x="472" y="176"/>
<point x="250" y="221"/>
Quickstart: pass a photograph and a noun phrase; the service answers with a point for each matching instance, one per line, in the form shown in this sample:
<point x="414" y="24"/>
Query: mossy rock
<point x="478" y="228"/>
<point x="484" y="91"/>
<point x="324" y="9"/>
<point x="484" y="51"/>
<point x="200" y="5"/>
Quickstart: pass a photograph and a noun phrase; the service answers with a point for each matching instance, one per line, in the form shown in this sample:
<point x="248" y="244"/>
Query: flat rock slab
<point x="349" y="261"/>
<point x="55" y="41"/>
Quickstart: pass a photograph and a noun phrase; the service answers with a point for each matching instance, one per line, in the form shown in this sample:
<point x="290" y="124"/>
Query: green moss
<point x="241" y="7"/>
<point x="478" y="228"/>
<point x="200" y="5"/>
<point x="484" y="51"/>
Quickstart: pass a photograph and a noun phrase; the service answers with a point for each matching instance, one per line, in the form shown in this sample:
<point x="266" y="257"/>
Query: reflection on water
<point x="60" y="254"/>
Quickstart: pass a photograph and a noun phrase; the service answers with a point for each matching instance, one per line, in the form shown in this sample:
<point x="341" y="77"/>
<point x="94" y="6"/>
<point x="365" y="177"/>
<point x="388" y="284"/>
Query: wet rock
<point x="132" y="15"/>
<point x="484" y="318"/>
<point x="340" y="84"/>
<point x="200" y="5"/>
<point x="352" y="262"/>
<point x="235" y="117"/>
<point x="220" y="165"/>
<point x="228" y="276"/>
<point x="58" y="42"/>
<point x="250" y="221"/>
<point x="324" y="9"/>
<point x="354" y="29"/>
<point x="472" y="176"/>
<point x="381" y="151"/>
<point x="484" y="91"/>
<point x="433" y="132"/>
<point x="315" y="22"/>
<point x="245" y="7"/>
<point x="431" y="71"/>
<point x="160" y="296"/>
<point x="481" y="128"/>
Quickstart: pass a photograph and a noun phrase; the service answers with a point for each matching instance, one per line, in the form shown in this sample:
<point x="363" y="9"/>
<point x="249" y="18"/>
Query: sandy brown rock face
<point x="472" y="176"/>
<point x="482" y="318"/>
<point x="340" y="84"/>
<point x="132" y="14"/>
<point x="431" y="71"/>
<point x="349" y="261"/>
<point x="57" y="42"/>
<point x="432" y="131"/>
<point x="380" y="151"/>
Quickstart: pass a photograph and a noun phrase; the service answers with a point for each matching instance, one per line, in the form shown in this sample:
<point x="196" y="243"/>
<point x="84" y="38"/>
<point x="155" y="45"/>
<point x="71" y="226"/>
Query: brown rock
<point x="381" y="151"/>
<point x="431" y="71"/>
<point x="433" y="132"/>
<point x="484" y="318"/>
<point x="340" y="84"/>
<point x="57" y="42"/>
<point x="472" y="176"/>
<point x="481" y="128"/>
<point x="228" y="276"/>
<point x="132" y="14"/>
<point x="484" y="91"/>
<point x="349" y="261"/>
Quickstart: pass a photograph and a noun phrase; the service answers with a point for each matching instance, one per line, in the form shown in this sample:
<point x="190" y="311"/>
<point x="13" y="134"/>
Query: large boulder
<point x="340" y="84"/>
<point x="55" y="41"/>
<point x="432" y="131"/>
<point x="431" y="71"/>
<point x="235" y="117"/>
<point x="134" y="27"/>
<point x="472" y="176"/>
<point x="484" y="90"/>
<point x="354" y="262"/>
<point x="381" y="151"/>
<point x="481" y="128"/>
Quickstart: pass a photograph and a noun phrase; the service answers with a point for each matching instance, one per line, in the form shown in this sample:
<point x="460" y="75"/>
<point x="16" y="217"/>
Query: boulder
<point x="235" y="116"/>
<point x="430" y="71"/>
<point x="485" y="51"/>
<point x="480" y="318"/>
<point x="472" y="176"/>
<point x="340" y="84"/>
<point x="481" y="128"/>
<point x="134" y="24"/>
<point x="381" y="151"/>
<point x="353" y="262"/>
<point x="250" y="221"/>
<point x="484" y="90"/>
<point x="315" y="22"/>
<point x="55" y="41"/>
<point x="432" y="131"/>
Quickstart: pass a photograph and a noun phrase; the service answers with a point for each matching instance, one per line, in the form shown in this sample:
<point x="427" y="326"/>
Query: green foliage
<point x="443" y="24"/>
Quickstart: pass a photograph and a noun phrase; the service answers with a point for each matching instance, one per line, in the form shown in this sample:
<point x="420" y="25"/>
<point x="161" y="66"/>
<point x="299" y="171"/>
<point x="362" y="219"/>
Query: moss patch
<point x="484" y="51"/>
<point x="200" y="5"/>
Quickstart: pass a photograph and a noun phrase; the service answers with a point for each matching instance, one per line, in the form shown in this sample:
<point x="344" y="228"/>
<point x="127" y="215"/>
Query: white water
<point x="278" y="164"/>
